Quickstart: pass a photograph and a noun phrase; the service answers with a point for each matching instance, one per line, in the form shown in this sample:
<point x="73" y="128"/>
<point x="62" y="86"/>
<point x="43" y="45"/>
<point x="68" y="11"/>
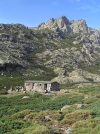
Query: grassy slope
<point x="33" y="110"/>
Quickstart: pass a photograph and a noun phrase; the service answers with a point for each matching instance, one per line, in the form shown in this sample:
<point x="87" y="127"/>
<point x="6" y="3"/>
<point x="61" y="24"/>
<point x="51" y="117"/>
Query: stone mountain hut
<point x="41" y="86"/>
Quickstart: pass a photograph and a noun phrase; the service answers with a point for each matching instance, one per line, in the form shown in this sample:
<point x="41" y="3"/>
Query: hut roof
<point x="32" y="81"/>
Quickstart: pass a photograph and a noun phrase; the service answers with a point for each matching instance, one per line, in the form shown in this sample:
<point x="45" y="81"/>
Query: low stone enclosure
<point x="41" y="86"/>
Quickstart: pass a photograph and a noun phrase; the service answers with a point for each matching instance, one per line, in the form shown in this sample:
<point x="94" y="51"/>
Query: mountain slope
<point x="66" y="49"/>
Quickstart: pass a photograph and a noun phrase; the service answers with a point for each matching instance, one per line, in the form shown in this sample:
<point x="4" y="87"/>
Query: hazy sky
<point x="33" y="12"/>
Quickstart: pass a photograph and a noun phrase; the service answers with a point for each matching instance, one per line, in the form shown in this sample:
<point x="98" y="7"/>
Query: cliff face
<point x="70" y="48"/>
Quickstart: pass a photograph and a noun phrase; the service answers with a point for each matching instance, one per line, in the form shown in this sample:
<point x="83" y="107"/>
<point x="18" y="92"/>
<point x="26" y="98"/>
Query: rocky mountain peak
<point x="66" y="26"/>
<point x="63" y="19"/>
<point x="63" y="24"/>
<point x="50" y="22"/>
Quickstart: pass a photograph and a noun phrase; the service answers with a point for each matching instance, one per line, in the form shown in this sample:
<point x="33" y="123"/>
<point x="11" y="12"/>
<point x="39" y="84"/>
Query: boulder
<point x="26" y="97"/>
<point x="48" y="118"/>
<point x="68" y="131"/>
<point x="65" y="107"/>
<point x="80" y="105"/>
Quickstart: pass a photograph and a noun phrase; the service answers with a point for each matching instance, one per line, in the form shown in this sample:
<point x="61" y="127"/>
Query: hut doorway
<point x="45" y="86"/>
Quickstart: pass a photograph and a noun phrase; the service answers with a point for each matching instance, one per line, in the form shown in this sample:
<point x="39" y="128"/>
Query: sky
<point x="33" y="12"/>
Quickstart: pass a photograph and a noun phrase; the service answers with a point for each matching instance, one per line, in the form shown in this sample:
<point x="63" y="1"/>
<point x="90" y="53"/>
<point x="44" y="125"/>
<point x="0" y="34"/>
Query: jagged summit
<point x="65" y="25"/>
<point x="63" y="19"/>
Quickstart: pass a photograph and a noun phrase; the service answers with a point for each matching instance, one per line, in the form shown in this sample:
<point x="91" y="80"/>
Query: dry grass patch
<point x="21" y="114"/>
<point x="88" y="126"/>
<point x="78" y="115"/>
<point x="36" y="129"/>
